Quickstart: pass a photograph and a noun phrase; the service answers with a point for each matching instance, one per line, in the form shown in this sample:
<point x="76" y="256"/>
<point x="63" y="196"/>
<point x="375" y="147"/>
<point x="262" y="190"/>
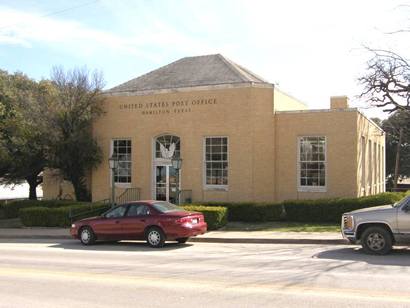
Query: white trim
<point x="121" y="184"/>
<point x="155" y="162"/>
<point x="301" y="188"/>
<point x="213" y="187"/>
<point x="317" y="110"/>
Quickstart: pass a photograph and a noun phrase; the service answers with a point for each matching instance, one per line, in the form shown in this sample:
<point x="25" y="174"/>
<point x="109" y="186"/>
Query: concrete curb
<point x="302" y="241"/>
<point x="35" y="237"/>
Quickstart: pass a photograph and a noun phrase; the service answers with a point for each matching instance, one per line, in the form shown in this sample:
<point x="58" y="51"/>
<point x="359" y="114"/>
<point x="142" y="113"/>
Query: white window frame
<point x="220" y="187"/>
<point x="306" y="188"/>
<point x="120" y="184"/>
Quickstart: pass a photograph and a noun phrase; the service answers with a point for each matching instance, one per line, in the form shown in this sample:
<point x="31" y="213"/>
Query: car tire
<point x="376" y="240"/>
<point x="155" y="237"/>
<point x="87" y="236"/>
<point x="182" y="240"/>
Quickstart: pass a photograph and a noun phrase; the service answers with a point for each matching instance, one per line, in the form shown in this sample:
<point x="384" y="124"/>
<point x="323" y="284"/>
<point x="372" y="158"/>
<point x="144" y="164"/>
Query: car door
<point x="403" y="220"/>
<point x="110" y="227"/>
<point x="135" y="221"/>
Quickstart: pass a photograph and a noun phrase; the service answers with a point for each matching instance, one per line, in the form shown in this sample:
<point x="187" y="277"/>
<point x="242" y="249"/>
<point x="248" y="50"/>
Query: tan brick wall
<point x="339" y="128"/>
<point x="244" y="115"/>
<point x="371" y="176"/>
<point x="55" y="187"/>
<point x="284" y="101"/>
<point x="262" y="145"/>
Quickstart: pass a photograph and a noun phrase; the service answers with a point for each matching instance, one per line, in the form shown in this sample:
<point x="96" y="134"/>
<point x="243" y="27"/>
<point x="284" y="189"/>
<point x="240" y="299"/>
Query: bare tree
<point x="78" y="102"/>
<point x="387" y="81"/>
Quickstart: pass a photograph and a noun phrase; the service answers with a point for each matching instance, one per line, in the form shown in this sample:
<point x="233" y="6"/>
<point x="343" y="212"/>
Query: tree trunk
<point x="32" y="182"/>
<point x="397" y="165"/>
<point x="80" y="190"/>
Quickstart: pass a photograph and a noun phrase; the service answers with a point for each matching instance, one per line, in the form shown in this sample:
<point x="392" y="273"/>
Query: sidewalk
<point x="248" y="237"/>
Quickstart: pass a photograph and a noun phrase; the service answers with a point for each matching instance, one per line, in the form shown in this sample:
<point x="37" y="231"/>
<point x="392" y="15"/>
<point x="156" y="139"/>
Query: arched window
<point x="167" y="147"/>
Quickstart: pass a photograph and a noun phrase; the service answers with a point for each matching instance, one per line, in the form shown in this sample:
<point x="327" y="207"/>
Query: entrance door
<point x="166" y="186"/>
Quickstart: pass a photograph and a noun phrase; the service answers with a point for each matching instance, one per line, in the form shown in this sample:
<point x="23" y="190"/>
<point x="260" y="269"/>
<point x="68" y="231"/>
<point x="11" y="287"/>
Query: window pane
<point x="216" y="156"/>
<point x="312" y="161"/>
<point x="122" y="150"/>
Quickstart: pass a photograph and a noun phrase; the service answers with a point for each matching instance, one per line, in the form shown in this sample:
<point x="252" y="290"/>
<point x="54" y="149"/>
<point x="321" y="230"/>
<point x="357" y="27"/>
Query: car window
<point x="116" y="213"/>
<point x="405" y="202"/>
<point x="137" y="210"/>
<point x="166" y="207"/>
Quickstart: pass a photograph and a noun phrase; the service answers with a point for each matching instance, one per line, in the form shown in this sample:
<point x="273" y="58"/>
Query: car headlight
<point x="73" y="226"/>
<point x="348" y="222"/>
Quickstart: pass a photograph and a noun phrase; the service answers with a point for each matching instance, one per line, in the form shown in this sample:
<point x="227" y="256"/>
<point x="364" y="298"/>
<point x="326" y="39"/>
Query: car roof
<point x="140" y="201"/>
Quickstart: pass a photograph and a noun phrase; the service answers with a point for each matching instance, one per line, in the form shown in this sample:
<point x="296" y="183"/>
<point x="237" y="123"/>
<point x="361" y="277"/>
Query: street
<point x="50" y="273"/>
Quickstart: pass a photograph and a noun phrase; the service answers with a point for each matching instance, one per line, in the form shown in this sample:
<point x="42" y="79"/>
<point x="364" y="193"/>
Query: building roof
<point x="197" y="71"/>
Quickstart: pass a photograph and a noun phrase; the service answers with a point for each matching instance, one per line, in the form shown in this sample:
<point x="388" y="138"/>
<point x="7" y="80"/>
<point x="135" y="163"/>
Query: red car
<point x="153" y="221"/>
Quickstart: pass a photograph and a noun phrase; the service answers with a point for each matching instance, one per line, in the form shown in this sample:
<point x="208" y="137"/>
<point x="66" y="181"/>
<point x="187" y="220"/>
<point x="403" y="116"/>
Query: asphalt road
<point x="129" y="274"/>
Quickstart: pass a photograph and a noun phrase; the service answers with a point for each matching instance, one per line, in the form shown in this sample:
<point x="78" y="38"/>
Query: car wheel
<point x="155" y="237"/>
<point x="182" y="240"/>
<point x="376" y="240"/>
<point x="87" y="236"/>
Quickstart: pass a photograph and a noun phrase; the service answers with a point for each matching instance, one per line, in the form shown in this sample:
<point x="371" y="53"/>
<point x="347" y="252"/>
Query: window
<point x="363" y="166"/>
<point x="116" y="212"/>
<point x="122" y="150"/>
<point x="166" y="207"/>
<point x="216" y="161"/>
<point x="167" y="147"/>
<point x="137" y="210"/>
<point x="312" y="163"/>
<point x="369" y="168"/>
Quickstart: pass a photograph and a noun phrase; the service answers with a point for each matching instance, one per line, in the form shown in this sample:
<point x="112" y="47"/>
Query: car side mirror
<point x="406" y="208"/>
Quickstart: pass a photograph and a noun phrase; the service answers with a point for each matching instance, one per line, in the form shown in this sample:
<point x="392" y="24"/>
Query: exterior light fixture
<point x="177" y="164"/>
<point x="113" y="163"/>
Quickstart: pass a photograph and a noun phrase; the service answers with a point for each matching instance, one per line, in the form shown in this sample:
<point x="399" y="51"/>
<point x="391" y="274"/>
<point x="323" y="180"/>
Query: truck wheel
<point x="376" y="240"/>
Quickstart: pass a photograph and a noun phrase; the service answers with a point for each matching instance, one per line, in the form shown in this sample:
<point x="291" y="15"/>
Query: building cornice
<point x="189" y="89"/>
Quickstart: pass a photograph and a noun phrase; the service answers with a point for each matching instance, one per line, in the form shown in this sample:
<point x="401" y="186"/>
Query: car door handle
<point x="117" y="221"/>
<point x="142" y="220"/>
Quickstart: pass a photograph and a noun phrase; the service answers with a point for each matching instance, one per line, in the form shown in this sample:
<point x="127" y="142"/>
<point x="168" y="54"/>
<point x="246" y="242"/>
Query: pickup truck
<point x="378" y="228"/>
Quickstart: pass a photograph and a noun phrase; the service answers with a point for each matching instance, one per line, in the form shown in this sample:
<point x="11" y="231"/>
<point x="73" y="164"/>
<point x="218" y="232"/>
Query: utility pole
<point x="397" y="165"/>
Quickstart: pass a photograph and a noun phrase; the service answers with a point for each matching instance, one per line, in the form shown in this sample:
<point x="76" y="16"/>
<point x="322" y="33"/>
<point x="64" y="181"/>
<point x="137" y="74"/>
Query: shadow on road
<point x="99" y="246"/>
<point x="118" y="246"/>
<point x="398" y="257"/>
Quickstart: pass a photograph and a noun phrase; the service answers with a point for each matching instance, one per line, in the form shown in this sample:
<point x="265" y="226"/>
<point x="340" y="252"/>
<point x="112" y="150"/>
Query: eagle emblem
<point x="167" y="153"/>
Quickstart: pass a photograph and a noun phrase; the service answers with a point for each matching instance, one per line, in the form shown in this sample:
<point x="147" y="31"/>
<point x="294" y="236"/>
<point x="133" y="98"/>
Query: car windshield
<point x="402" y="201"/>
<point x="166" y="207"/>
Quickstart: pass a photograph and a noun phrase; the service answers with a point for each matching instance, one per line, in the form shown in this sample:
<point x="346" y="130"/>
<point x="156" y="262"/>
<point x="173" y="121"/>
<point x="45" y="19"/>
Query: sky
<point x="310" y="49"/>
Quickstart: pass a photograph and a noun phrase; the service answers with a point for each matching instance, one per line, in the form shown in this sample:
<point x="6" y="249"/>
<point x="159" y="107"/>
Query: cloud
<point x="28" y="28"/>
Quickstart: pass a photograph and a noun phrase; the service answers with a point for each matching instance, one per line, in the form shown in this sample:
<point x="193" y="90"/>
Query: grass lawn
<point x="282" y="226"/>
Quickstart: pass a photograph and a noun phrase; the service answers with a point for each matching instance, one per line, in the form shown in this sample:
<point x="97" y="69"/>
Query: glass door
<point x="166" y="183"/>
<point x="173" y="185"/>
<point x="161" y="183"/>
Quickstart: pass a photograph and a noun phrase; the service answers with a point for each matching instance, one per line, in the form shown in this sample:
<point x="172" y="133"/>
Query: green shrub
<point x="39" y="216"/>
<point x="34" y="216"/>
<point x="2" y="215"/>
<point x="331" y="210"/>
<point x="215" y="216"/>
<point x="11" y="209"/>
<point x="250" y="211"/>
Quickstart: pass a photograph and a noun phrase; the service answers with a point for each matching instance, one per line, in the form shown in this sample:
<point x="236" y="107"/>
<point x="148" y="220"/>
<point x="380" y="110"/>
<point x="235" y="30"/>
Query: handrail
<point x="85" y="213"/>
<point x="129" y="194"/>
